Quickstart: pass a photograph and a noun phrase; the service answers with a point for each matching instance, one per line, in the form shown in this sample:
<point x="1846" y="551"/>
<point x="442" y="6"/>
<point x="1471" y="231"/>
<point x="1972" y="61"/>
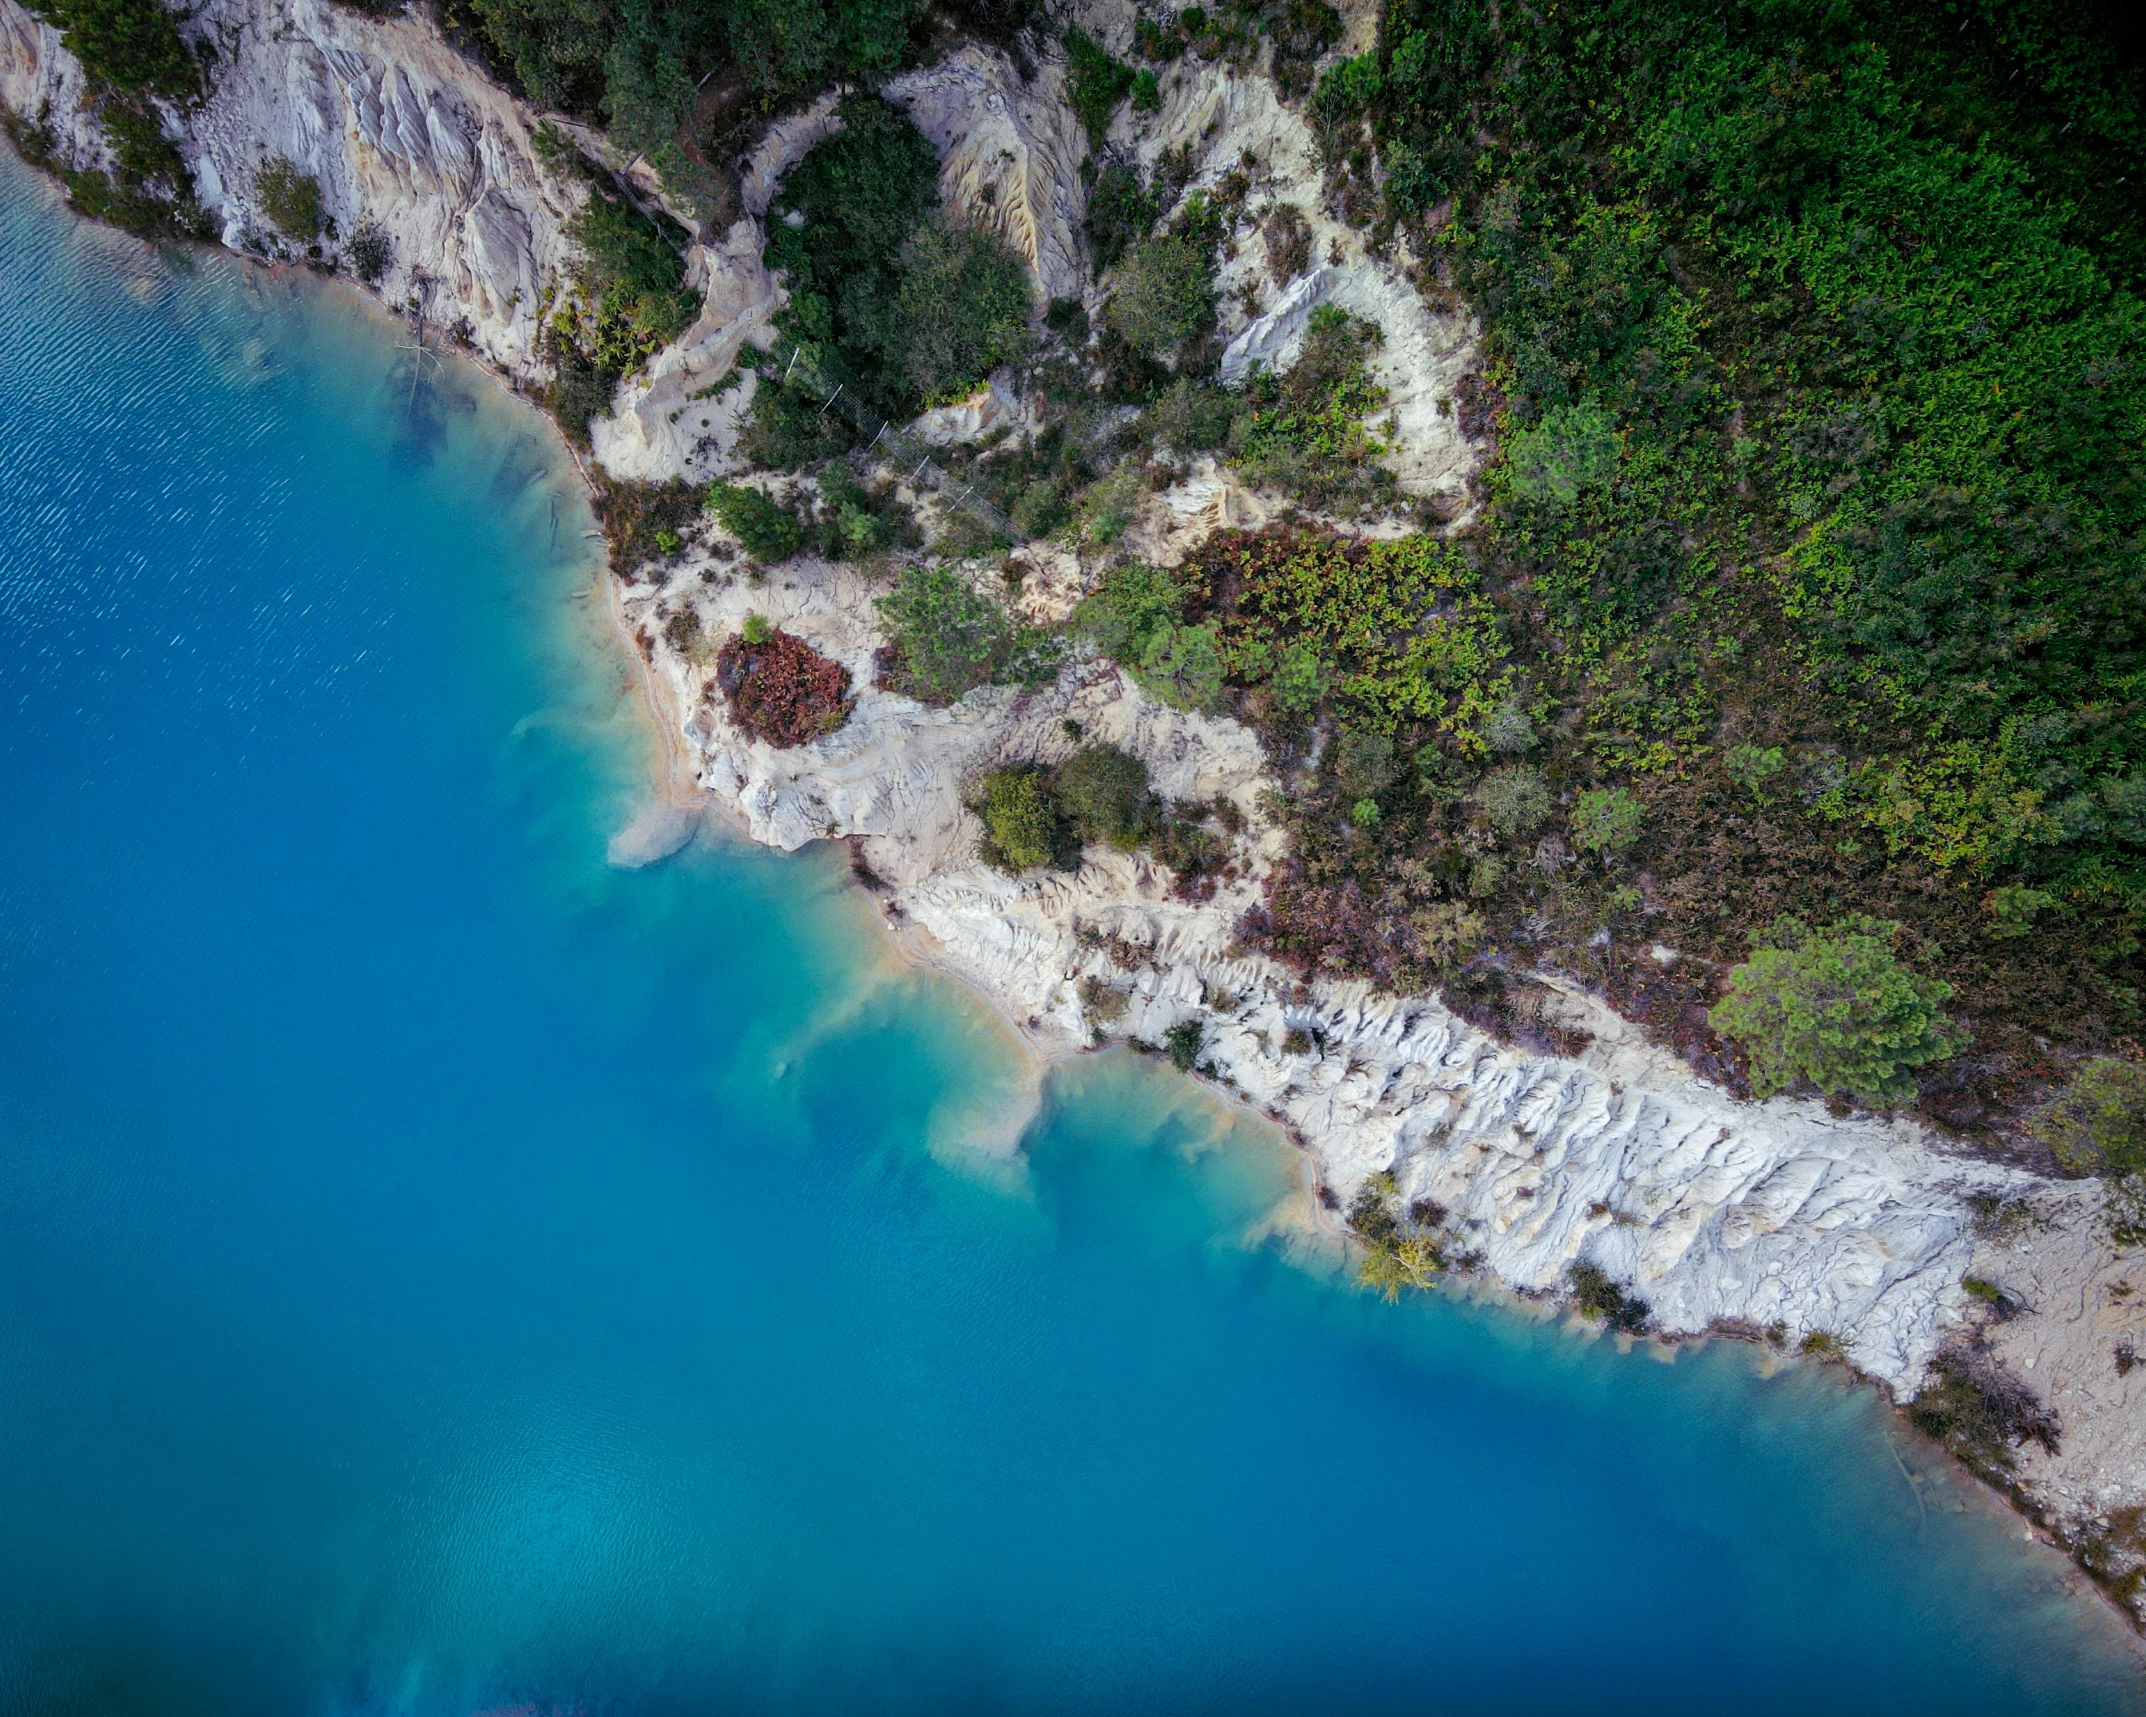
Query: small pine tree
<point x="1835" y="1006"/>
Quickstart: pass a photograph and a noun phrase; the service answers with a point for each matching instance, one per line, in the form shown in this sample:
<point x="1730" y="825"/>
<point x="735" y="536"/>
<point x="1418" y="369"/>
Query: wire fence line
<point x="801" y="372"/>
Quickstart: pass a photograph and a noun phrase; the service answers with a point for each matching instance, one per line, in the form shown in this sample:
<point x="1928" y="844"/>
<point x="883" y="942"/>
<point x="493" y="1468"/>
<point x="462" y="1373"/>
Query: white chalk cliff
<point x="1715" y="1211"/>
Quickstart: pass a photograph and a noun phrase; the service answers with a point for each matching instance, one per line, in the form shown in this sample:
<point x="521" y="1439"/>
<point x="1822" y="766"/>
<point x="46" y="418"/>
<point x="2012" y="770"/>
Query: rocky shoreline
<point x="1850" y="1236"/>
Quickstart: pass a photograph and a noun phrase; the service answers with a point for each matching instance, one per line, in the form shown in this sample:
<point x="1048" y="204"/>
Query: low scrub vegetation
<point x="1981" y="1412"/>
<point x="946" y="638"/>
<point x="779" y="689"/>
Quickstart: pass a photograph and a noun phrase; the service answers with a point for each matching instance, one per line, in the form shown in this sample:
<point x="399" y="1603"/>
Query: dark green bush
<point x="291" y="199"/>
<point x="1184" y="1041"/>
<point x="1104" y="794"/>
<point x="1162" y="298"/>
<point x="863" y="193"/>
<point x="371" y="253"/>
<point x="1837" y="1008"/>
<point x="631" y="273"/>
<point x="1599" y="1299"/>
<point x="785" y="431"/>
<point x="1192" y="417"/>
<point x="964" y="308"/>
<point x="1120" y="214"/>
<point x="1022" y="828"/>
<point x="130" y="45"/>
<point x="1095" y="82"/>
<point x="2097" y="1126"/>
<point x="766" y="528"/>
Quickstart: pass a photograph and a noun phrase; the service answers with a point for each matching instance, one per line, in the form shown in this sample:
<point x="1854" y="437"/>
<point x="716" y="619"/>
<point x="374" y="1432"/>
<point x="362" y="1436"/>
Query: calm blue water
<point x="441" y="1272"/>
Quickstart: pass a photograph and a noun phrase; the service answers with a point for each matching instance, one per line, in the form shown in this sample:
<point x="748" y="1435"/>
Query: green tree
<point x="1573" y="448"/>
<point x="963" y="310"/>
<point x="1182" y="665"/>
<point x="131" y="45"/>
<point x="1162" y="297"/>
<point x="1835" y="1007"/>
<point x="1299" y="678"/>
<point x="1022" y="828"/>
<point x="951" y="638"/>
<point x="1606" y="819"/>
<point x="1132" y="603"/>
<point x="1105" y="796"/>
<point x="767" y="529"/>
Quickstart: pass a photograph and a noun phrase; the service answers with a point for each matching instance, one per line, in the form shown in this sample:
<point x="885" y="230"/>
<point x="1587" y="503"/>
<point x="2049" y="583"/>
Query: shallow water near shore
<point x="443" y="1271"/>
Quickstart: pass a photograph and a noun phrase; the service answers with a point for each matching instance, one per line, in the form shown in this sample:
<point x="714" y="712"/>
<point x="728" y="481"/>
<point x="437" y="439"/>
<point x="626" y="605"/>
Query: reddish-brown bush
<point x="783" y="691"/>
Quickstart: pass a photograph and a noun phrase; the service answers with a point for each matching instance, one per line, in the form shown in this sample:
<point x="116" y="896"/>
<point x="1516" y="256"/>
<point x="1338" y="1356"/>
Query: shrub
<point x="1752" y="766"/>
<point x="1095" y="83"/>
<point x="1508" y="731"/>
<point x="1120" y="214"/>
<point x="1572" y="449"/>
<point x="2014" y="909"/>
<point x="1192" y="417"/>
<point x="291" y="199"/>
<point x="779" y="689"/>
<point x="131" y="45"/>
<point x="638" y="518"/>
<point x="1104" y="794"/>
<point x="1305" y="432"/>
<point x="757" y="629"/>
<point x="1162" y="298"/>
<point x="1038" y="510"/>
<point x="1600" y="1300"/>
<point x="1022" y="828"/>
<point x="1288" y="239"/>
<point x="2097" y="1124"/>
<point x="1606" y="819"/>
<point x="1836" y="1008"/>
<point x="964" y="308"/>
<point x="631" y="274"/>
<point x="1514" y="800"/>
<point x="949" y="638"/>
<point x="1102" y="1003"/>
<point x="1184" y="1041"/>
<point x="766" y="528"/>
<point x="371" y="252"/>
<point x="1980" y="1412"/>
<point x="1363" y="763"/>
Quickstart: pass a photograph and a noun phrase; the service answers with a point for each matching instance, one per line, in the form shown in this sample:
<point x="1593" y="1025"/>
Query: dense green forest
<point x="1813" y="524"/>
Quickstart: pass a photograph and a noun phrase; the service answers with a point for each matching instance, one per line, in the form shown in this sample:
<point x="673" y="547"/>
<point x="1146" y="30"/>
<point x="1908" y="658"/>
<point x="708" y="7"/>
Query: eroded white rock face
<point x="398" y="128"/>
<point x="1233" y="123"/>
<point x="1009" y="155"/>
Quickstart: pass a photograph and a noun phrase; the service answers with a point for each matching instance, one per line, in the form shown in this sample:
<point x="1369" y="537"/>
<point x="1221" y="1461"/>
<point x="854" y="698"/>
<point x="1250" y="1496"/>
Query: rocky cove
<point x="1779" y="1221"/>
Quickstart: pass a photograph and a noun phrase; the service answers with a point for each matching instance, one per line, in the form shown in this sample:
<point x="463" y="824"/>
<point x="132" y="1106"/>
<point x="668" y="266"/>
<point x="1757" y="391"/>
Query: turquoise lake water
<point x="440" y="1272"/>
